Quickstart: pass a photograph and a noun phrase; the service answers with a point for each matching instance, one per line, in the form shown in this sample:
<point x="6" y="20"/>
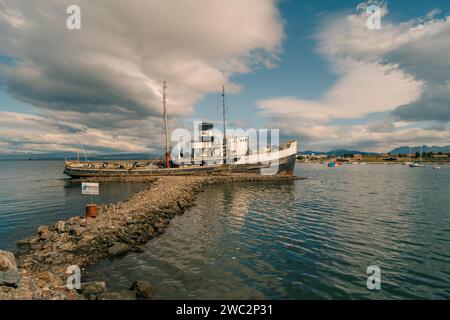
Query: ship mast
<point x="166" y="127"/>
<point x="224" y="128"/>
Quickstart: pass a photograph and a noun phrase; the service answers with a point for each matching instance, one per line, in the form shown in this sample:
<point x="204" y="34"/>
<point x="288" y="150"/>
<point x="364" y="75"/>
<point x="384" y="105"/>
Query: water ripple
<point x="308" y="239"/>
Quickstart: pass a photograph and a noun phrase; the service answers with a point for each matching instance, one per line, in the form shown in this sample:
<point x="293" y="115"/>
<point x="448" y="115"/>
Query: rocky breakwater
<point x="42" y="260"/>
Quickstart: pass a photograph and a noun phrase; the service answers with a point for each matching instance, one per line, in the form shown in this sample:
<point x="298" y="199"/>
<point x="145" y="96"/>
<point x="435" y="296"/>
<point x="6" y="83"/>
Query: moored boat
<point x="207" y="156"/>
<point x="280" y="161"/>
<point x="418" y="164"/>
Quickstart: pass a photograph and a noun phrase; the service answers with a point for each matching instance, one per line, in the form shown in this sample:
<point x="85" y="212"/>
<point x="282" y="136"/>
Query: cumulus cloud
<point x="363" y="88"/>
<point x="109" y="73"/>
<point x="379" y="136"/>
<point x="25" y="133"/>
<point x="414" y="47"/>
<point x="399" y="71"/>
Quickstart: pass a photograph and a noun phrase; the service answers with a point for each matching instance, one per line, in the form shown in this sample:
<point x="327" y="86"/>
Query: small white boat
<point x="416" y="165"/>
<point x="436" y="168"/>
<point x="409" y="162"/>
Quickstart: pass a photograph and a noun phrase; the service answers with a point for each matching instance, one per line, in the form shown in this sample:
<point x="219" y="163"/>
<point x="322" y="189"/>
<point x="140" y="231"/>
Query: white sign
<point x="90" y="188"/>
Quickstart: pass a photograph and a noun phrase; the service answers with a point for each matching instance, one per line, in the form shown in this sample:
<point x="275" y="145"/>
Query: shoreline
<point x="42" y="260"/>
<point x="373" y="162"/>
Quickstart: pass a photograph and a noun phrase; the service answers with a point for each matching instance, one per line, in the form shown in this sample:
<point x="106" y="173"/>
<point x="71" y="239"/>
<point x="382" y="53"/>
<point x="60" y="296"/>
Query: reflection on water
<point x="34" y="193"/>
<point x="312" y="238"/>
<point x="306" y="239"/>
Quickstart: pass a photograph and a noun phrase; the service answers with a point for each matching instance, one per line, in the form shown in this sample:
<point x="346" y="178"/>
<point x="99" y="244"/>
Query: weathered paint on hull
<point x="288" y="167"/>
<point x="285" y="166"/>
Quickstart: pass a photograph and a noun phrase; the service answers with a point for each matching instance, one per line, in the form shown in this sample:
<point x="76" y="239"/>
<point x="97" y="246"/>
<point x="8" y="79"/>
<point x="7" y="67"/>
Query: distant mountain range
<point x="425" y="149"/>
<point x="338" y="152"/>
<point x="399" y="150"/>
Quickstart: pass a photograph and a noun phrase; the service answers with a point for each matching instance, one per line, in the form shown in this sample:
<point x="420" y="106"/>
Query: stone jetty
<point x="39" y="268"/>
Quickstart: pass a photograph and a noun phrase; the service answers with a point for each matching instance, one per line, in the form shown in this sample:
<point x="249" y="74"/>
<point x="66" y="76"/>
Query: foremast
<point x="166" y="127"/>
<point x="224" y="142"/>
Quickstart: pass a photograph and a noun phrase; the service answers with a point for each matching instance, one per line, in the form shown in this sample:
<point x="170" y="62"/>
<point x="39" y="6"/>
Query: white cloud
<point x="36" y="134"/>
<point x="415" y="47"/>
<point x="114" y="65"/>
<point x="362" y="89"/>
<point x="399" y="70"/>
<point x="375" y="137"/>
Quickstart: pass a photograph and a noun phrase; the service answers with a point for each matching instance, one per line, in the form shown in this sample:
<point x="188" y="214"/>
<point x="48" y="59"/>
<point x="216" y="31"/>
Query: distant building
<point x="311" y="157"/>
<point x="440" y="156"/>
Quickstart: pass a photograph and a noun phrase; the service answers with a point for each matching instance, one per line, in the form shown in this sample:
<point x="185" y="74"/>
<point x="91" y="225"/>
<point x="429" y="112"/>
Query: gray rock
<point x="118" y="248"/>
<point x="92" y="289"/>
<point x="47" y="244"/>
<point x="43" y="229"/>
<point x="5" y="289"/>
<point x="118" y="295"/>
<point x="143" y="289"/>
<point x="60" y="226"/>
<point x="74" y="229"/>
<point x="24" y="246"/>
<point x="75" y="220"/>
<point x="37" y="246"/>
<point x="138" y="249"/>
<point x="43" y="232"/>
<point x="9" y="275"/>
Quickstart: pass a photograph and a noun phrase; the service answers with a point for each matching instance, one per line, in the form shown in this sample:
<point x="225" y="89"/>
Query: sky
<point x="312" y="69"/>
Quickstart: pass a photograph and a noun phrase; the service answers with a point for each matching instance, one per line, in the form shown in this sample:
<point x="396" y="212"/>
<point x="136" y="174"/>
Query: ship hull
<point x="280" y="163"/>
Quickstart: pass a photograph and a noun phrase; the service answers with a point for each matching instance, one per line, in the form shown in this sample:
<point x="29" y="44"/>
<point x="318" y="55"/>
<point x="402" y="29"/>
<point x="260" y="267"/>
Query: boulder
<point x="138" y="249"/>
<point x="47" y="244"/>
<point x="43" y="232"/>
<point x="9" y="275"/>
<point x="118" y="295"/>
<point x="75" y="220"/>
<point x="24" y="246"/>
<point x="118" y="248"/>
<point x="37" y="246"/>
<point x="143" y="289"/>
<point x="92" y="289"/>
<point x="73" y="229"/>
<point x="72" y="224"/>
<point x="60" y="226"/>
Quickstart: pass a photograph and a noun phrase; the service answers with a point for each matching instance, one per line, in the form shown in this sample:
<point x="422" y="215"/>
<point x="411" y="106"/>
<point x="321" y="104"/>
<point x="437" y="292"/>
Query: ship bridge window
<point x="205" y="126"/>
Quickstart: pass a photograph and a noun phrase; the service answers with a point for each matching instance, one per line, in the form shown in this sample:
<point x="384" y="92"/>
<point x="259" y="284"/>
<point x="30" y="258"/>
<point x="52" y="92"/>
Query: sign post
<point x="92" y="189"/>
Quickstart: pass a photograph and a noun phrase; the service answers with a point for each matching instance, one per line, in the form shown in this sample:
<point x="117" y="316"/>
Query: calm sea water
<point x="34" y="193"/>
<point x="311" y="239"/>
<point x="307" y="239"/>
